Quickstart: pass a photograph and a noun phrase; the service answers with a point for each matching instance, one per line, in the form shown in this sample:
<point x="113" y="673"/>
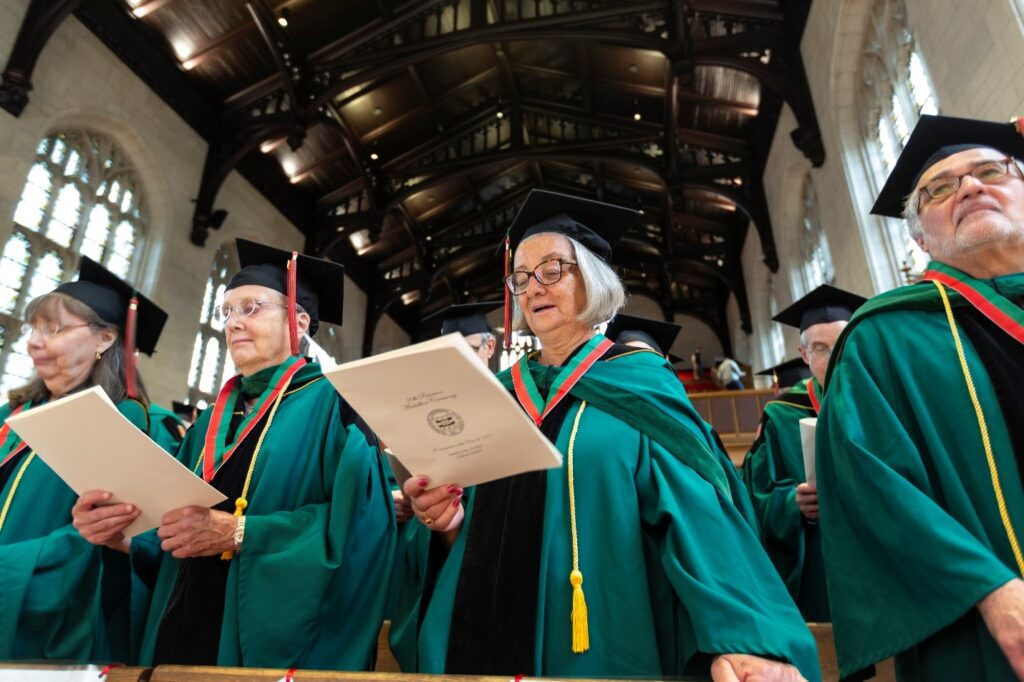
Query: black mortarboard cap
<point x="936" y="138"/>
<point x="184" y="410"/>
<point x="594" y="224"/>
<point x="109" y="296"/>
<point x="320" y="284"/>
<point x="465" y="318"/>
<point x="789" y="372"/>
<point x="658" y="334"/>
<point x="825" y="304"/>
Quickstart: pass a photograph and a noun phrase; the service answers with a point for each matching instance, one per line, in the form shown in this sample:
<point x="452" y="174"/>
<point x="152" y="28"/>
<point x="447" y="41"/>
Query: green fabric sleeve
<point x="352" y="534"/>
<point x="733" y="600"/>
<point x="49" y="603"/>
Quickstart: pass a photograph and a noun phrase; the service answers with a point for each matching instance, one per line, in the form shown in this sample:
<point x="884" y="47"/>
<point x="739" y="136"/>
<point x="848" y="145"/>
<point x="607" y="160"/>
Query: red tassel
<point x="129" y="347"/>
<point x="293" y="317"/>
<point x="508" y="297"/>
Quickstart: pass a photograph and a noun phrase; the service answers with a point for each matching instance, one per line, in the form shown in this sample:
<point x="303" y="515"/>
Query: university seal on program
<point x="446" y="422"/>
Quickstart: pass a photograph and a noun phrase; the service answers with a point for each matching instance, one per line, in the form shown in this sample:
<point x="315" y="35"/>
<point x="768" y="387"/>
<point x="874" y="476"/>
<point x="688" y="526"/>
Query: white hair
<point x="605" y="293"/>
<point x="912" y="214"/>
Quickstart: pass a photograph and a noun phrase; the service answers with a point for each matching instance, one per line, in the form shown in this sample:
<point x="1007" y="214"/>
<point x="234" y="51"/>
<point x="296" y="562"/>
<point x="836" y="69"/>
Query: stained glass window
<point x="895" y="91"/>
<point x="81" y="197"/>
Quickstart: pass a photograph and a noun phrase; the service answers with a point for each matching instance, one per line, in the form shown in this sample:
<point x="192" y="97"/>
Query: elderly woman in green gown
<point x="292" y="569"/>
<point x="631" y="560"/>
<point x="50" y="606"/>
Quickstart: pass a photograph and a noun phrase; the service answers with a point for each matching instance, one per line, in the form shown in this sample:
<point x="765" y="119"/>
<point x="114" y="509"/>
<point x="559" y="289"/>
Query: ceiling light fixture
<point x="374" y="156"/>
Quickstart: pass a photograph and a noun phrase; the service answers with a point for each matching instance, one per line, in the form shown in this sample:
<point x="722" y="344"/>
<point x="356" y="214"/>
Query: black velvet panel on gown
<point x="494" y="618"/>
<point x="1003" y="357"/>
<point x="190" y="628"/>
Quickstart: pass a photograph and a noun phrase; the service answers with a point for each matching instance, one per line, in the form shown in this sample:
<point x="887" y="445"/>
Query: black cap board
<point x="465" y="318"/>
<point x="109" y="296"/>
<point x="935" y="138"/>
<point x="789" y="372"/>
<point x="657" y="334"/>
<point x="594" y="224"/>
<point x="320" y="284"/>
<point x="825" y="304"/>
<point x="184" y="410"/>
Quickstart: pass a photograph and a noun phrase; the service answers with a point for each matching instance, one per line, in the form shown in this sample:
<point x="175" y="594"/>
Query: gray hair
<point x="604" y="290"/>
<point x="912" y="214"/>
<point x="486" y="336"/>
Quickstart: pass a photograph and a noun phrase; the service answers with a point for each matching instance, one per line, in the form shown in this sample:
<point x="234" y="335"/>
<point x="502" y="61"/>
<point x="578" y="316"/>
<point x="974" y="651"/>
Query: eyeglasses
<point x="988" y="173"/>
<point x="823" y="352"/>
<point x="547" y="273"/>
<point x="49" y="329"/>
<point x="246" y="308"/>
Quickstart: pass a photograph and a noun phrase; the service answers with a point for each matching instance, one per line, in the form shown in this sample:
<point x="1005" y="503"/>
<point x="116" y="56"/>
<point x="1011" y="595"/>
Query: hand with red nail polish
<point x="439" y="507"/>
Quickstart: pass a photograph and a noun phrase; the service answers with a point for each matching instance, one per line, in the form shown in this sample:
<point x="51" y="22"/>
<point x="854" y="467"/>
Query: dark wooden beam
<point x="42" y="18"/>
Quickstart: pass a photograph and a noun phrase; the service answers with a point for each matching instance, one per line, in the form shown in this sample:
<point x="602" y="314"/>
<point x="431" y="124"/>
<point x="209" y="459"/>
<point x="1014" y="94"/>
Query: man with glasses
<point x="921" y="434"/>
<point x="785" y="501"/>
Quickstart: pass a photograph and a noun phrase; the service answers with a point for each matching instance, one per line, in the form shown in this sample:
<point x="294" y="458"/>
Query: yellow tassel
<point x="240" y="505"/>
<point x="580" y="629"/>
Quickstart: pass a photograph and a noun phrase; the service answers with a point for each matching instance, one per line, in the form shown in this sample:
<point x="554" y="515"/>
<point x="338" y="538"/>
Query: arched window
<point x="81" y="197"/>
<point x="895" y="90"/>
<point x="816" y="257"/>
<point x="211" y="362"/>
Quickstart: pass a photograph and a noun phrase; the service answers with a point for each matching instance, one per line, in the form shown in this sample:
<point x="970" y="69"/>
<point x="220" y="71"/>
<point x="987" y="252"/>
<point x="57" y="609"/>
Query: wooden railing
<point x="175" y="673"/>
<point x="735" y="416"/>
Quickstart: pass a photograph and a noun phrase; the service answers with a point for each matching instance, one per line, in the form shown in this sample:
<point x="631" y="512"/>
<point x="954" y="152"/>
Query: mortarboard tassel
<point x="775" y="384"/>
<point x="293" y="322"/>
<point x="508" y="296"/>
<point x="129" y="347"/>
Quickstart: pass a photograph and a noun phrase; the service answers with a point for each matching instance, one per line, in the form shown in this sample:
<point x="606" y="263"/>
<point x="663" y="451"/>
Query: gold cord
<point x="243" y="501"/>
<point x="14" y="489"/>
<point x="993" y="470"/>
<point x="580" y="628"/>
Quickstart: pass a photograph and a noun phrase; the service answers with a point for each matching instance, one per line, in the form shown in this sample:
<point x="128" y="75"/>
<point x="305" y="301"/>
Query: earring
<point x="99" y="355"/>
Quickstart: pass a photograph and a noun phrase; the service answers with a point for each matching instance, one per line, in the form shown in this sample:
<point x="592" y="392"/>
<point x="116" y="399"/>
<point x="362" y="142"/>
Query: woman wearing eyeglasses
<point x="292" y="569"/>
<point x="632" y="559"/>
<point x="50" y="606"/>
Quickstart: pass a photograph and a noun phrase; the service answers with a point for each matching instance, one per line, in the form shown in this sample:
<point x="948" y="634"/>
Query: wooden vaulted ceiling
<point x="401" y="137"/>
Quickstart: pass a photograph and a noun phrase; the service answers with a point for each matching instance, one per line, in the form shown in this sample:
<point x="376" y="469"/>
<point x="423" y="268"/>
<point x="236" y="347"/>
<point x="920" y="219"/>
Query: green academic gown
<point x="165" y="428"/>
<point x="308" y="588"/>
<point x="911" y="530"/>
<point x="673" y="572"/>
<point x="50" y="602"/>
<point x="773" y="469"/>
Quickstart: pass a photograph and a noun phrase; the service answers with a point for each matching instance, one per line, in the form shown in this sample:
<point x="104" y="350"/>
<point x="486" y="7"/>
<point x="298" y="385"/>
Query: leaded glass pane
<point x="197" y="351"/>
<point x="47" y="275"/>
<point x="204" y="313"/>
<point x="66" y="212"/>
<point x="13" y="265"/>
<point x="211" y="363"/>
<point x="96" y="232"/>
<point x="124" y="239"/>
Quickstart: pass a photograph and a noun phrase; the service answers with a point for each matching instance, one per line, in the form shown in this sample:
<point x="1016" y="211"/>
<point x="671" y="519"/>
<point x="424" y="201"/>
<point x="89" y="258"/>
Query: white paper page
<point x="808" y="426"/>
<point x="443" y="413"/>
<point x="92" y="446"/>
<point x="85" y="673"/>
